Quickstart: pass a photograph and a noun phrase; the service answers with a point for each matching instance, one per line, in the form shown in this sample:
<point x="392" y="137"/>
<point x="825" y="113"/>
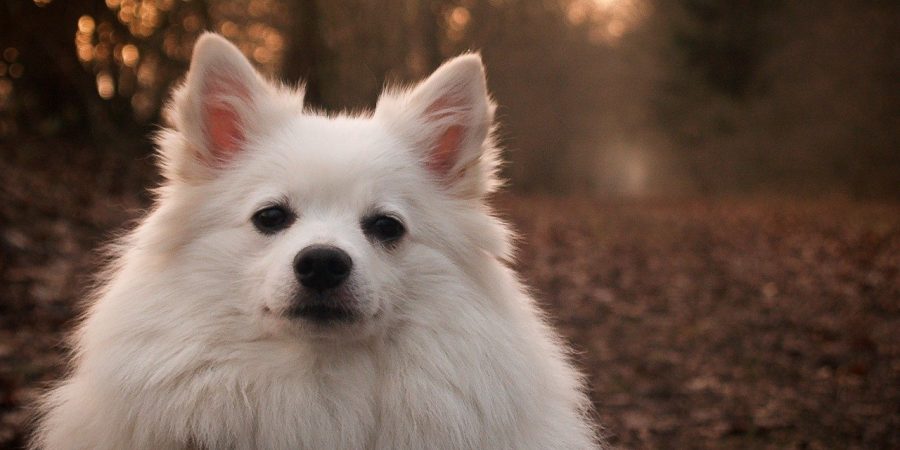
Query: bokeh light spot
<point x="86" y="24"/>
<point x="105" y="85"/>
<point x="16" y="70"/>
<point x="130" y="55"/>
<point x="10" y="54"/>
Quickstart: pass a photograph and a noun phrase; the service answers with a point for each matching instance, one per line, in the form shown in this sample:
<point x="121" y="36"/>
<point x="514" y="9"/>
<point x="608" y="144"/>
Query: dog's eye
<point x="272" y="219"/>
<point x="385" y="229"/>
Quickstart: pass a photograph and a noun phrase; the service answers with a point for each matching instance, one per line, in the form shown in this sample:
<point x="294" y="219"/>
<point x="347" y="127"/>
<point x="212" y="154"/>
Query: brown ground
<point x="727" y="324"/>
<point x="700" y="324"/>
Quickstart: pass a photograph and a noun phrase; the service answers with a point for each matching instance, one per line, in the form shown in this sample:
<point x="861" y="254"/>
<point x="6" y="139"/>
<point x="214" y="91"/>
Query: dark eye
<point x="272" y="219"/>
<point x="385" y="229"/>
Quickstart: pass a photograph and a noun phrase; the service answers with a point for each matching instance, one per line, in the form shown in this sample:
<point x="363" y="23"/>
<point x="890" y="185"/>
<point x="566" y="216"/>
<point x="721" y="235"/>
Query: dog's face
<point x="326" y="226"/>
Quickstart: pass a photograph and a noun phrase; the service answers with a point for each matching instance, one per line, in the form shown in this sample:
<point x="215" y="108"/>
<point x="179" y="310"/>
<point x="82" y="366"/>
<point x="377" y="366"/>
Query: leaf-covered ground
<point x="728" y="323"/>
<point x="699" y="324"/>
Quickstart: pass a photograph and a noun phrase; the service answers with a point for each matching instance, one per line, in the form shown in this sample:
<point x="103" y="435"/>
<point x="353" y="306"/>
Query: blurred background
<point x="709" y="190"/>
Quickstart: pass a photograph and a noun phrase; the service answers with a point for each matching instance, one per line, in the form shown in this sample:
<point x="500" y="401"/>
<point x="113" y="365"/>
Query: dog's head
<point x="326" y="225"/>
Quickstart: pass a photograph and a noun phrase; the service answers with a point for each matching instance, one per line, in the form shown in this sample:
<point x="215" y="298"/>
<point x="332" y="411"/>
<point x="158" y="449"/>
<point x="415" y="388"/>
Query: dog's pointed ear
<point x="448" y="118"/>
<point x="220" y="105"/>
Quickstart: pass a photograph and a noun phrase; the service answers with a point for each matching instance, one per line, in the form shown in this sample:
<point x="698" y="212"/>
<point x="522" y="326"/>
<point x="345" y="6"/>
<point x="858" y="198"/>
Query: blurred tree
<point x="725" y="41"/>
<point x="310" y="60"/>
<point x="712" y="57"/>
<point x="783" y="96"/>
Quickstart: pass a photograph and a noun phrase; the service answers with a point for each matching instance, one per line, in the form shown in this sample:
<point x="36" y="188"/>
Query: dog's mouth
<point x="323" y="309"/>
<point x="324" y="314"/>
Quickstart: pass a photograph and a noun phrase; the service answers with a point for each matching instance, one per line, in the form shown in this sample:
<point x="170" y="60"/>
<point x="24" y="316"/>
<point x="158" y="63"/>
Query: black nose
<point x="322" y="267"/>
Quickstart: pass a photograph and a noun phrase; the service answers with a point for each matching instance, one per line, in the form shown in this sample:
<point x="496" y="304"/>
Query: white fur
<point x="185" y="347"/>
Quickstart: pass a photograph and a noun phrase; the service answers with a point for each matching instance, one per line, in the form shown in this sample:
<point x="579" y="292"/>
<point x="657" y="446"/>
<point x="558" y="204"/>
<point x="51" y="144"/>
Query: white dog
<point x="307" y="281"/>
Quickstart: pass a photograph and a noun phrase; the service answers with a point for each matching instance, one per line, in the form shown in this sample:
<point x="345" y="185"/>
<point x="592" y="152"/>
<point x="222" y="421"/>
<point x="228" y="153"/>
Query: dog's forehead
<point x="347" y="154"/>
<point x="311" y="144"/>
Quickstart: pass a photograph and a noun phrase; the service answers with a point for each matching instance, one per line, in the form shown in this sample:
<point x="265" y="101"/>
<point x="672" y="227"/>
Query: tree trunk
<point x="308" y="59"/>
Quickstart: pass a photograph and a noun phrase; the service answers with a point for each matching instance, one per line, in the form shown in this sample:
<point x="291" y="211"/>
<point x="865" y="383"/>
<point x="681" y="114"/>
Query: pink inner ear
<point x="445" y="150"/>
<point x="224" y="129"/>
<point x="444" y="153"/>
<point x="225" y="133"/>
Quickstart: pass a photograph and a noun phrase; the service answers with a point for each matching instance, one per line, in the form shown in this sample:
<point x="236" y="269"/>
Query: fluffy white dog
<point x="307" y="281"/>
